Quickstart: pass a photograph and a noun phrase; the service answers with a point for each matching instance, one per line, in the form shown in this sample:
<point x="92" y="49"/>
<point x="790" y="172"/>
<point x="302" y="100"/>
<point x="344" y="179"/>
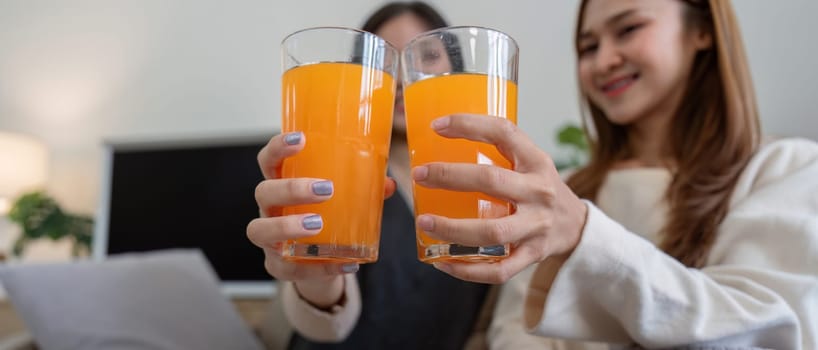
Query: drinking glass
<point x="457" y="70"/>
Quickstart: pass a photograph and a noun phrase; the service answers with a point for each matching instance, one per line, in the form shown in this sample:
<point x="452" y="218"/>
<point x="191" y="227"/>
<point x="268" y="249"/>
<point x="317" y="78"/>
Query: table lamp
<point x="23" y="167"/>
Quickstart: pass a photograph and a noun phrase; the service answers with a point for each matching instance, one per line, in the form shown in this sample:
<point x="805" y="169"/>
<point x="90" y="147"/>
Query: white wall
<point x="75" y="72"/>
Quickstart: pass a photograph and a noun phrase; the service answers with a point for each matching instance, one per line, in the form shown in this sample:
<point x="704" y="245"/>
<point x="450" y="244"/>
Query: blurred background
<point x="75" y="73"/>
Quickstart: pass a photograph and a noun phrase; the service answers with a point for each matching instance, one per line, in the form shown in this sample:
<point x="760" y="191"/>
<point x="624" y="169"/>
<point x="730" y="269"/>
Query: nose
<point x="608" y="57"/>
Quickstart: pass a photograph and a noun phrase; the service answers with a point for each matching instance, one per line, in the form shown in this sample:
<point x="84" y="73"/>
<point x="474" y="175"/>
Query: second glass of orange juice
<point x="338" y="88"/>
<point x="457" y="70"/>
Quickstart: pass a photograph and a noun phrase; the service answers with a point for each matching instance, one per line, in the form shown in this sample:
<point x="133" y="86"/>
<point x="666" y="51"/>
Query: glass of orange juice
<point x="338" y="88"/>
<point x="457" y="70"/>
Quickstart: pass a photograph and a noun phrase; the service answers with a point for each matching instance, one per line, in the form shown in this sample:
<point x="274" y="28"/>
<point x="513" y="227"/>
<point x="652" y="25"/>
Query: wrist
<point x="322" y="293"/>
<point x="574" y="217"/>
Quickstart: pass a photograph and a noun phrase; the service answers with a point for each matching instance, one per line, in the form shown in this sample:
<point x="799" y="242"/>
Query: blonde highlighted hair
<point x="714" y="133"/>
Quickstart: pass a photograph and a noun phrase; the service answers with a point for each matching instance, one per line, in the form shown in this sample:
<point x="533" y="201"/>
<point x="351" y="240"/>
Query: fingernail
<point x="349" y="268"/>
<point x="441" y="123"/>
<point x="426" y="223"/>
<point x="312" y="222"/>
<point x="420" y="173"/>
<point x="322" y="188"/>
<point x="293" y="138"/>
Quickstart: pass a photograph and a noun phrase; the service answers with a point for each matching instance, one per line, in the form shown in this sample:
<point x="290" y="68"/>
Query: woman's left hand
<point x="549" y="217"/>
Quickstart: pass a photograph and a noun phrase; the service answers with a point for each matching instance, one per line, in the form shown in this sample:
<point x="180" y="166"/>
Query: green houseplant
<point x="40" y="217"/>
<point x="573" y="138"/>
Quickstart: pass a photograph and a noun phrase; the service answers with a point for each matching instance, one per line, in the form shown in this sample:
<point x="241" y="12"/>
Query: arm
<point x="759" y="289"/>
<point x="507" y="330"/>
<point x="322" y="300"/>
<point x="325" y="325"/>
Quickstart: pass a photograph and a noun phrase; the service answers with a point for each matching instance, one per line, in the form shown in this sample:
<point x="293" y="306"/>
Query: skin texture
<point x="644" y="46"/>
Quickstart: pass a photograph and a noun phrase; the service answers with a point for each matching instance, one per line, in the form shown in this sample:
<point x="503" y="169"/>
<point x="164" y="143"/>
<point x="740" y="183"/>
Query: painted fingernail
<point x="312" y="222"/>
<point x="426" y="223"/>
<point x="293" y="138"/>
<point x="420" y="173"/>
<point x="322" y="188"/>
<point x="441" y="123"/>
<point x="349" y="268"/>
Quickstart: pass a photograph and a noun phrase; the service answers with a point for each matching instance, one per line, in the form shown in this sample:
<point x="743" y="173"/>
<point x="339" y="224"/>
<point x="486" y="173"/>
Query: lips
<point x="617" y="86"/>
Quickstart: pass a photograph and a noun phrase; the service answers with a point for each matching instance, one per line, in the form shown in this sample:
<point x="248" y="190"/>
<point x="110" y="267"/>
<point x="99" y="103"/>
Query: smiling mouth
<point x="617" y="86"/>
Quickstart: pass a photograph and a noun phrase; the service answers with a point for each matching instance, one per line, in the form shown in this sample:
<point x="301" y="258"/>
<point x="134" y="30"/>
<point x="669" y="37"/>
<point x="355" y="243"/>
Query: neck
<point x="399" y="152"/>
<point x="399" y="166"/>
<point x="648" y="142"/>
<point x="648" y="138"/>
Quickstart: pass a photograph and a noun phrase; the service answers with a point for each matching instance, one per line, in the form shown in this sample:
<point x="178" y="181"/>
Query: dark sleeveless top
<point x="407" y="304"/>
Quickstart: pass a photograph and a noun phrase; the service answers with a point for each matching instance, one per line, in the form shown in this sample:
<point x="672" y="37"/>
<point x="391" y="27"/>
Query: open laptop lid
<point x="188" y="192"/>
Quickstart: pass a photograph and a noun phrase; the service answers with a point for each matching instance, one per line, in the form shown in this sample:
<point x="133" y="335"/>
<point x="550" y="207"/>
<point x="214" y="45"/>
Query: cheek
<point x="585" y="75"/>
<point x="442" y="66"/>
<point x="658" y="54"/>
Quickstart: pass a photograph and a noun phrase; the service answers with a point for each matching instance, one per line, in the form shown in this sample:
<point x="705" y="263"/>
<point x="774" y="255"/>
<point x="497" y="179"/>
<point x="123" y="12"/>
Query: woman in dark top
<point x="403" y="303"/>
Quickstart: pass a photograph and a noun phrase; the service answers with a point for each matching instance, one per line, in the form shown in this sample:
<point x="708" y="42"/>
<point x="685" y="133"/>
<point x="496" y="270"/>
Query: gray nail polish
<point x="322" y="188"/>
<point x="312" y="222"/>
<point x="293" y="138"/>
<point x="349" y="268"/>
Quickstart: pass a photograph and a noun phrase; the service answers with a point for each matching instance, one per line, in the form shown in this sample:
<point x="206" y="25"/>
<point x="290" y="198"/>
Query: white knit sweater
<point x="759" y="288"/>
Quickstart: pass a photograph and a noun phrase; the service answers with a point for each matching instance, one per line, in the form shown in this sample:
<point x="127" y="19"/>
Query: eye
<point x="429" y="56"/>
<point x="626" y="30"/>
<point x="587" y="49"/>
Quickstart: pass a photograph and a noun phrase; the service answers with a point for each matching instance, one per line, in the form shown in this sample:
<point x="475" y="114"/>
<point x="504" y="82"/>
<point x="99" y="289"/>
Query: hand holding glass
<point x="457" y="70"/>
<point x="338" y="88"/>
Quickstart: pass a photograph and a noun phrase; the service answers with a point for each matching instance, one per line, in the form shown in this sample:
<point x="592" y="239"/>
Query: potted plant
<point x="40" y="217"/>
<point x="573" y="138"/>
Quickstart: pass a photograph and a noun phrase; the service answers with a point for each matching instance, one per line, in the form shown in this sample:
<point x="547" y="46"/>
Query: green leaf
<point x="572" y="136"/>
<point x="39" y="216"/>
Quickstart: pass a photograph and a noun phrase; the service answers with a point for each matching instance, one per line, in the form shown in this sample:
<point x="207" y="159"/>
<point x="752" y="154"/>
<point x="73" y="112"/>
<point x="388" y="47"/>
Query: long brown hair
<point x="712" y="136"/>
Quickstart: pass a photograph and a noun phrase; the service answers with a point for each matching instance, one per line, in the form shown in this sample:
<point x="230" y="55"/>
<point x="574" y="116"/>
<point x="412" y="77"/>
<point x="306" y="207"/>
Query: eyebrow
<point x="616" y="18"/>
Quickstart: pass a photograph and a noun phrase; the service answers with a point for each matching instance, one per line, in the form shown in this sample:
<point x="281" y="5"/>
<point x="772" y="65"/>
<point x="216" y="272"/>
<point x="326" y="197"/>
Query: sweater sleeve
<point x="507" y="331"/>
<point x="760" y="287"/>
<point x="320" y="325"/>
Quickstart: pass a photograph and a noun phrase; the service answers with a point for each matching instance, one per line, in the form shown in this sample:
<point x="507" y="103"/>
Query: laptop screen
<point x="186" y="194"/>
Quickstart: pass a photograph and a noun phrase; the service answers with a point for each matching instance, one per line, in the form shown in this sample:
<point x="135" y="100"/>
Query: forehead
<point x="402" y="28"/>
<point x="597" y="13"/>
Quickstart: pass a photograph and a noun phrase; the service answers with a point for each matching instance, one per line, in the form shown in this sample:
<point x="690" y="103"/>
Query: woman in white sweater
<point x="692" y="230"/>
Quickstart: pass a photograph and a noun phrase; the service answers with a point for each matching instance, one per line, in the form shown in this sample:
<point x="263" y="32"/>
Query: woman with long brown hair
<point x="692" y="230"/>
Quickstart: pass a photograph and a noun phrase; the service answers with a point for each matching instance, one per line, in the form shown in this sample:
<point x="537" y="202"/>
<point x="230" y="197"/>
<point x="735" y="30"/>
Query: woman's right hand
<point x="321" y="284"/>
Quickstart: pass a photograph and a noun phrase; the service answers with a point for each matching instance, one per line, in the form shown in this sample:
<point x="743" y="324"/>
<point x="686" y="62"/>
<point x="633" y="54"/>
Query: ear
<point x="702" y="40"/>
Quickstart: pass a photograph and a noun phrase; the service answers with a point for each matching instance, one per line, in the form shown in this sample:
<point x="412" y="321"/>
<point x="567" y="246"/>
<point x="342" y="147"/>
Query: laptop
<point x="194" y="192"/>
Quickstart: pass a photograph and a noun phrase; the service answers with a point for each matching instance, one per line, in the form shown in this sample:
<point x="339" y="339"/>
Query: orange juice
<point x="439" y="96"/>
<point x="345" y="112"/>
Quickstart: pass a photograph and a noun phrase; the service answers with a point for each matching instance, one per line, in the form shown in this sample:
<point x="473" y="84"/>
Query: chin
<point x="620" y="114"/>
<point x="399" y="123"/>
<point x="620" y="119"/>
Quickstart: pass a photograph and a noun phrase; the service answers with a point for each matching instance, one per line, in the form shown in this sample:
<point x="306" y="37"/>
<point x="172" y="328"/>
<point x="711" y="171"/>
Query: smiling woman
<point x="692" y="231"/>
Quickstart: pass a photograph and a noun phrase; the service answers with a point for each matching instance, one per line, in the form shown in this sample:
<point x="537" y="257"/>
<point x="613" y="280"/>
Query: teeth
<point x="619" y="83"/>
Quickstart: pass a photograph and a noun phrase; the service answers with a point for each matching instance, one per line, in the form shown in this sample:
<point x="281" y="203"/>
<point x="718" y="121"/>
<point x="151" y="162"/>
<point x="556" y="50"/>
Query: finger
<point x="283" y="192"/>
<point x="492" y="273"/>
<point x="269" y="232"/>
<point x="389" y="187"/>
<point x="279" y="147"/>
<point x="473" y="232"/>
<point x="512" y="142"/>
<point x="285" y="270"/>
<point x="494" y="181"/>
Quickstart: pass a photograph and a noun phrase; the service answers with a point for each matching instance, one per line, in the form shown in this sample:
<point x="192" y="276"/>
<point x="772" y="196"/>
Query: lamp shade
<point x="23" y="166"/>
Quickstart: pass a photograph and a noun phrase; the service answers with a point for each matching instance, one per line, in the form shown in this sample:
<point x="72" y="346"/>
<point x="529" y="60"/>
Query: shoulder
<point x="780" y="161"/>
<point x="783" y="155"/>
